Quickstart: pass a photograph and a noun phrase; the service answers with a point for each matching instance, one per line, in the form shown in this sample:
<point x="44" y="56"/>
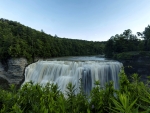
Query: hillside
<point x="17" y="40"/>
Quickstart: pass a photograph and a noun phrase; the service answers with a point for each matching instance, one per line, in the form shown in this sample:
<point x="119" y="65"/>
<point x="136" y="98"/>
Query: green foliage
<point x="123" y="104"/>
<point x="71" y="97"/>
<point x="131" y="55"/>
<point x="109" y="48"/>
<point x="17" y="40"/>
<point x="133" y="96"/>
<point x="125" y="42"/>
<point x="123" y="56"/>
<point x="146" y="37"/>
<point x="100" y="97"/>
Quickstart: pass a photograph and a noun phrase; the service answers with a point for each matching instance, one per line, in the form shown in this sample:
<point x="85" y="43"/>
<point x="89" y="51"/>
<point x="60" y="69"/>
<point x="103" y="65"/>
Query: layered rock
<point x="12" y="70"/>
<point x="139" y="65"/>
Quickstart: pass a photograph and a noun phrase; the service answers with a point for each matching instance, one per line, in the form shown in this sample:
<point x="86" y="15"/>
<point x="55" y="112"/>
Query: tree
<point x="109" y="48"/>
<point x="127" y="33"/>
<point x="147" y="38"/>
<point x="17" y="40"/>
<point x="122" y="43"/>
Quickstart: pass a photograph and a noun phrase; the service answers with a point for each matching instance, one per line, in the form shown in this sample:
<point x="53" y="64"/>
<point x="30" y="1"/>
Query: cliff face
<point x="139" y="65"/>
<point x="11" y="72"/>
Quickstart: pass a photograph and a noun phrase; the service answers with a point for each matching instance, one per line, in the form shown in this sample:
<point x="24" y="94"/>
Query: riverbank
<point x="135" y="62"/>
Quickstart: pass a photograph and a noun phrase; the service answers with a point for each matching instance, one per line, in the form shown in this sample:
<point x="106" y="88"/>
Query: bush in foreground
<point x="132" y="97"/>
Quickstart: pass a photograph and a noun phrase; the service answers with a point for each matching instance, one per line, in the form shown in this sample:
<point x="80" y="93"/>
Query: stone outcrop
<point x="139" y="65"/>
<point x="12" y="71"/>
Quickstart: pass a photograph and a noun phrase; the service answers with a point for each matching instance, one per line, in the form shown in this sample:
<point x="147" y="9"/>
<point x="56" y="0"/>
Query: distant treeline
<point x="127" y="42"/>
<point x="17" y="40"/>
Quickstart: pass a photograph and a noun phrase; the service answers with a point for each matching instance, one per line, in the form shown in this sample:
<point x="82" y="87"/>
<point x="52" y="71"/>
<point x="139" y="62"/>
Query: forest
<point x="17" y="40"/>
<point x="128" y="42"/>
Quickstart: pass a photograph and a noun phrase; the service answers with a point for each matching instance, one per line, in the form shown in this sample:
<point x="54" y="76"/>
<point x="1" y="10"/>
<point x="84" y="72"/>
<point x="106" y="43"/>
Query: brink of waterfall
<point x="63" y="72"/>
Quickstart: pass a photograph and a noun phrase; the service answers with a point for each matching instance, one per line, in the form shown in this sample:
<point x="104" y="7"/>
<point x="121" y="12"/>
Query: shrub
<point x="132" y="96"/>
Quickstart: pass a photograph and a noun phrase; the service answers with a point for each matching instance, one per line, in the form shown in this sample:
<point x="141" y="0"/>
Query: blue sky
<point x="95" y="20"/>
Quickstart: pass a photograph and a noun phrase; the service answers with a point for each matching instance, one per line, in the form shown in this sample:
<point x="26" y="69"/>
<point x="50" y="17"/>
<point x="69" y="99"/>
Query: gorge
<point x="87" y="69"/>
<point x="62" y="71"/>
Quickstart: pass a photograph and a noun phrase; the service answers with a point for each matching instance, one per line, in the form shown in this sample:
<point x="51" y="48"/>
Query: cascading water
<point x="63" y="72"/>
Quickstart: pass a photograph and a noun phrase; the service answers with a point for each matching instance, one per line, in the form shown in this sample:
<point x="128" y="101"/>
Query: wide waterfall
<point x="63" y="72"/>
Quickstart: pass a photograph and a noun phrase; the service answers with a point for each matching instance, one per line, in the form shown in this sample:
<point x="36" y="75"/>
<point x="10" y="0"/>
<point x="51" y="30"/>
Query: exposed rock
<point x="13" y="70"/>
<point x="140" y="65"/>
<point x="4" y="83"/>
<point x="16" y="66"/>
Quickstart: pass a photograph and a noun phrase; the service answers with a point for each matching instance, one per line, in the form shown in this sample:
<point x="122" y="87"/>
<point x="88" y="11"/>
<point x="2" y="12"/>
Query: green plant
<point x="123" y="104"/>
<point x="133" y="96"/>
<point x="100" y="97"/>
<point x="123" y="82"/>
<point x="70" y="93"/>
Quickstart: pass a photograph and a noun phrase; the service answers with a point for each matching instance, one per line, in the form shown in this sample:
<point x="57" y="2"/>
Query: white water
<point x="63" y="72"/>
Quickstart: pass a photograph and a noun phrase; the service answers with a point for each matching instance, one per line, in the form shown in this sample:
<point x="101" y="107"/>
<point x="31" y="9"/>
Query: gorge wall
<point x="11" y="72"/>
<point x="139" y="65"/>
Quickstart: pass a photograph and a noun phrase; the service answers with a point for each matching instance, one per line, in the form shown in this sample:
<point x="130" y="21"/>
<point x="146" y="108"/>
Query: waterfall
<point x="63" y="72"/>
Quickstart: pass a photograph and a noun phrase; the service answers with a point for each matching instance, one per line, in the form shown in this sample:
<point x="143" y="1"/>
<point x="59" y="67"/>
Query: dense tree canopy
<point x="126" y="42"/>
<point x="146" y="37"/>
<point x="17" y="40"/>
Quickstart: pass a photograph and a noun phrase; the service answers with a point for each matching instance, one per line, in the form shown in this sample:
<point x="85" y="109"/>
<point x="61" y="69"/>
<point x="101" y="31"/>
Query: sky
<point x="92" y="20"/>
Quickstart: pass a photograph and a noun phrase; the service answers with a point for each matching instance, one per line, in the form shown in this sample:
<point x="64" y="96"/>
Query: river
<point x="84" y="69"/>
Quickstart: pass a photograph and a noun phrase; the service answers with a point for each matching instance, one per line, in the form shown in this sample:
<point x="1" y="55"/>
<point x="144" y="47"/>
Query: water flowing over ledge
<point x="63" y="72"/>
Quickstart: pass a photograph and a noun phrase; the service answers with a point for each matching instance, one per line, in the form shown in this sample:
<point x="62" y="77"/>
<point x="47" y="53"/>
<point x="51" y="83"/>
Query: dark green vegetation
<point x="132" y="55"/>
<point x="132" y="97"/>
<point x="17" y="40"/>
<point x="127" y="42"/>
<point x="132" y="51"/>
